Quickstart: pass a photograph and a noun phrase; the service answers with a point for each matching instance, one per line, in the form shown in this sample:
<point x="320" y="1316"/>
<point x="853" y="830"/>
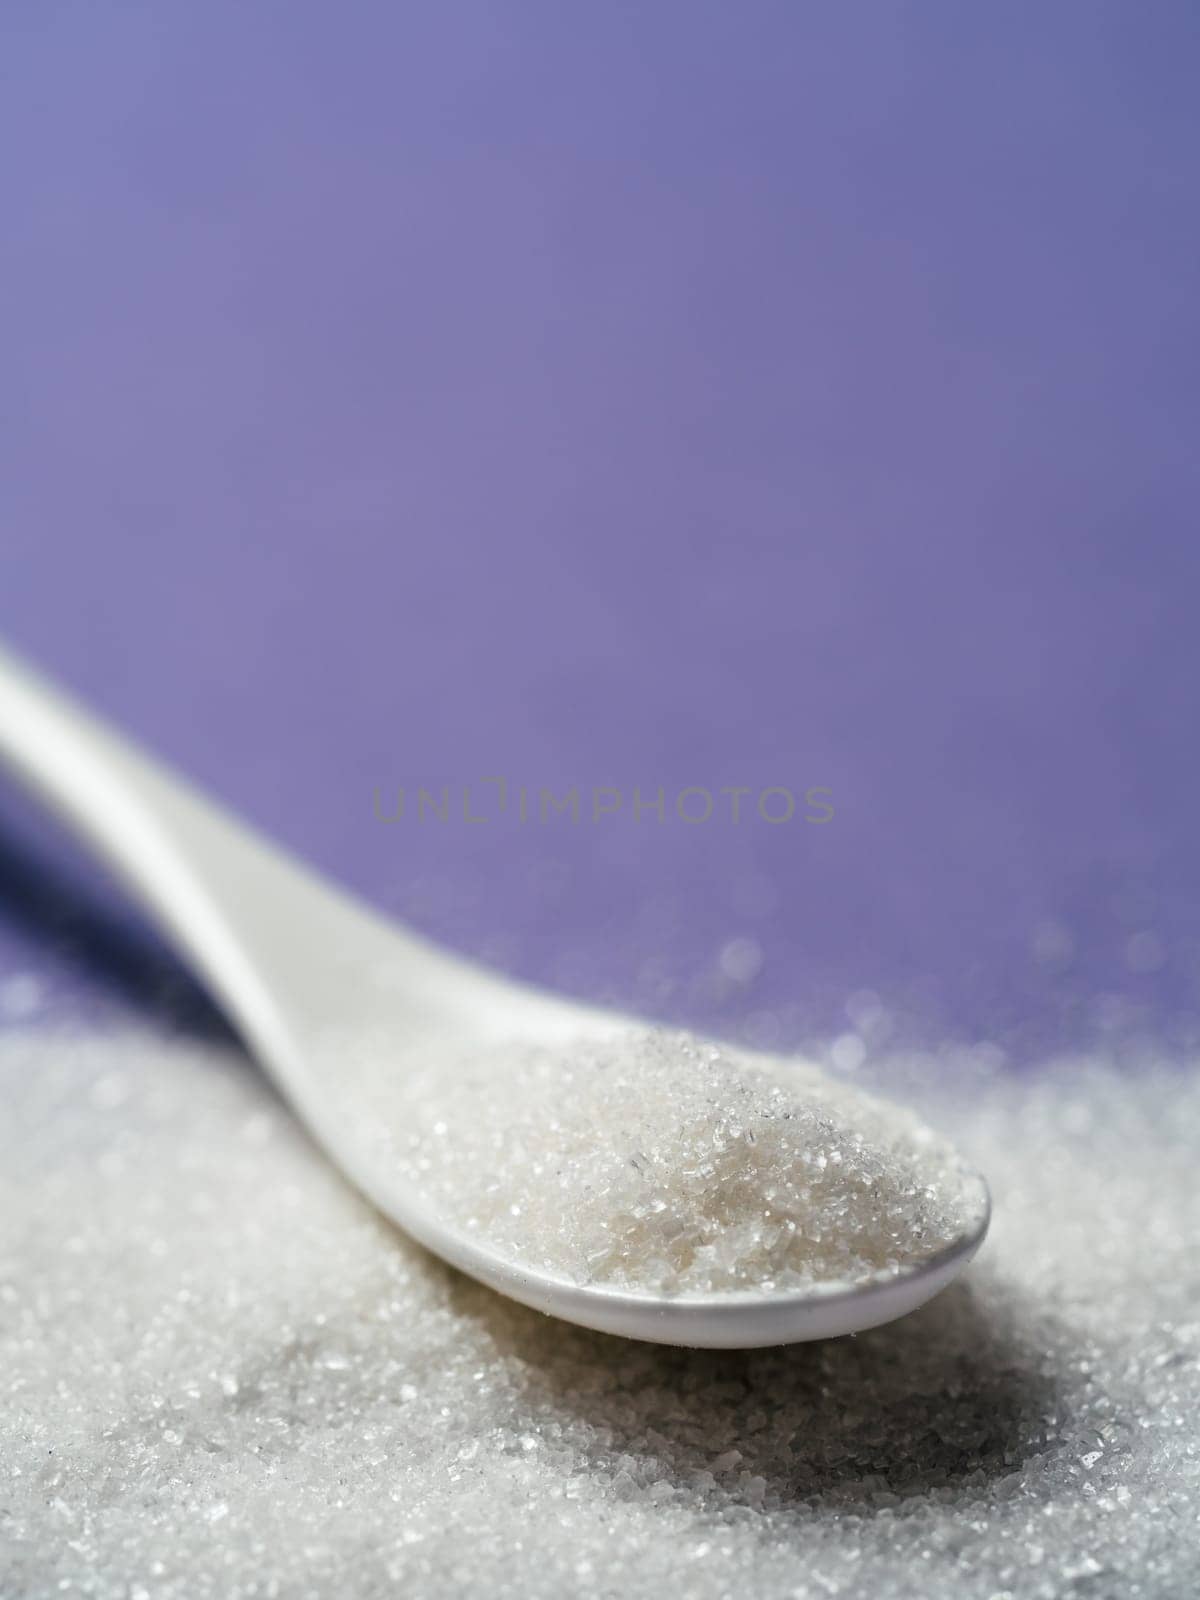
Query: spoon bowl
<point x="310" y="974"/>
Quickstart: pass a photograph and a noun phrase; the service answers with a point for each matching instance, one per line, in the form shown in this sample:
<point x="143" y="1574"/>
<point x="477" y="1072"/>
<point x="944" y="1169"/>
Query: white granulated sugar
<point x="223" y="1376"/>
<point x="657" y="1161"/>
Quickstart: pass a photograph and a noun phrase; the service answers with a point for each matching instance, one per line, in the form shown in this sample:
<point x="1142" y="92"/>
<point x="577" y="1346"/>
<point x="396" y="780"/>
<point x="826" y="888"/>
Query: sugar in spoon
<point x="308" y="973"/>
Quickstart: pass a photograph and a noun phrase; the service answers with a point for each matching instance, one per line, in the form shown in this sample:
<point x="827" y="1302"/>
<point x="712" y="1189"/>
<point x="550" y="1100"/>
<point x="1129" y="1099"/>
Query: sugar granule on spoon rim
<point x="661" y="1162"/>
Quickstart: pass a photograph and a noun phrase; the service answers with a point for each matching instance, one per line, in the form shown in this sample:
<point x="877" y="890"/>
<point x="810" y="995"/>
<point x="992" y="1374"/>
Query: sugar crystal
<point x="660" y="1162"/>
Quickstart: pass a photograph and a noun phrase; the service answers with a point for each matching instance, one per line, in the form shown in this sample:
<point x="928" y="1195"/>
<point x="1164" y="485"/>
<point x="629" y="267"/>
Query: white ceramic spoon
<point x="307" y="972"/>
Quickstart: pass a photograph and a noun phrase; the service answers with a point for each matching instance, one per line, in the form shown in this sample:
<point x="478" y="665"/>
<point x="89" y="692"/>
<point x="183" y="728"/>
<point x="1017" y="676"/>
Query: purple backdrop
<point x="674" y="394"/>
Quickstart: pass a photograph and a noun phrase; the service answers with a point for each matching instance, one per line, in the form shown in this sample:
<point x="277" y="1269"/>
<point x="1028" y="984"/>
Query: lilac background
<point x="676" y="393"/>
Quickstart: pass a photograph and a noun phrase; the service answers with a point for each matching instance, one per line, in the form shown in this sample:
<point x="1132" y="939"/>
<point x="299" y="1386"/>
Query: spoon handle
<point x="274" y="941"/>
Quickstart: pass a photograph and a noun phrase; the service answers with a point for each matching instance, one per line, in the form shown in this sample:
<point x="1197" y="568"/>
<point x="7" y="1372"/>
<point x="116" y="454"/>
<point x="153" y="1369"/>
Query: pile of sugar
<point x="223" y="1375"/>
<point x="661" y="1162"/>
